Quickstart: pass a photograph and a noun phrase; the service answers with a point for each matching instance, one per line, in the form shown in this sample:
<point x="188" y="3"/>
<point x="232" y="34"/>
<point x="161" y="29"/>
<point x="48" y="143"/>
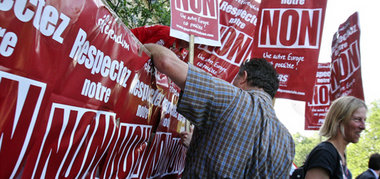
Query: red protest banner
<point x="345" y="59"/>
<point x="238" y="23"/>
<point x="76" y="98"/>
<point x="161" y="154"/>
<point x="196" y="17"/>
<point x="317" y="106"/>
<point x="289" y="35"/>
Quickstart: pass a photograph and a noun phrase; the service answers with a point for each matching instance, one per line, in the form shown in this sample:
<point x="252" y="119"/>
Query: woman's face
<point x="355" y="125"/>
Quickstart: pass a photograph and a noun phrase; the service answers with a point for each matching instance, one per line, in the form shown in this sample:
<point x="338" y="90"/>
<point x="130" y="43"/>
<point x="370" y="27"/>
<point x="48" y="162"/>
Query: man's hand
<point x="186" y="137"/>
<point x="168" y="63"/>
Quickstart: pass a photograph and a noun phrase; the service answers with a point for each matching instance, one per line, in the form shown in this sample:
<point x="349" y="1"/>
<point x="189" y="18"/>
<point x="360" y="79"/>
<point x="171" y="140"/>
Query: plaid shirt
<point x="237" y="133"/>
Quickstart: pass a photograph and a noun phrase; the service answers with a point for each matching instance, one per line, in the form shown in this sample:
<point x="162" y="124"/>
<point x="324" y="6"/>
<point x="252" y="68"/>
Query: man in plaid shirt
<point x="237" y="133"/>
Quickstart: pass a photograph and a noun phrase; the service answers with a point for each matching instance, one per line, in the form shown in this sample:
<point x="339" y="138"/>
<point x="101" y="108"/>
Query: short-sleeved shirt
<point x="325" y="156"/>
<point x="237" y="133"/>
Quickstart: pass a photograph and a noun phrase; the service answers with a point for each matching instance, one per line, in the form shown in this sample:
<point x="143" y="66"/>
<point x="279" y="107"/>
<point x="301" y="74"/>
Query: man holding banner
<point x="237" y="134"/>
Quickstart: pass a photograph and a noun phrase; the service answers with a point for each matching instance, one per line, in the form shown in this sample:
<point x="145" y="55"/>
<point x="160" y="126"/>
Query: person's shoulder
<point x="366" y="175"/>
<point x="324" y="151"/>
<point x="261" y="94"/>
<point x="326" y="146"/>
<point x="323" y="156"/>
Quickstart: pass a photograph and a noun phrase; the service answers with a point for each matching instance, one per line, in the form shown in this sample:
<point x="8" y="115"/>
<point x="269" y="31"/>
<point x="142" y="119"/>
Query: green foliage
<point x="303" y="147"/>
<point x="357" y="154"/>
<point x="137" y="13"/>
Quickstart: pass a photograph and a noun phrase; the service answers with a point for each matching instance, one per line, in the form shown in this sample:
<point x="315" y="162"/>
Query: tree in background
<point x="357" y="154"/>
<point x="137" y="13"/>
<point x="303" y="147"/>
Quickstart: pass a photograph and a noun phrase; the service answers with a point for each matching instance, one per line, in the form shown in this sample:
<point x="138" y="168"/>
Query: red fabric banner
<point x="197" y="17"/>
<point x="345" y="59"/>
<point x="76" y="98"/>
<point x="238" y="23"/>
<point x="154" y="34"/>
<point x="289" y="35"/>
<point x="317" y="107"/>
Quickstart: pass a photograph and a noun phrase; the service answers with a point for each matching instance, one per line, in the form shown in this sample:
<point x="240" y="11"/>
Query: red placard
<point x="76" y="98"/>
<point x="289" y="35"/>
<point x="345" y="59"/>
<point x="238" y="23"/>
<point x="197" y="17"/>
<point x="317" y="107"/>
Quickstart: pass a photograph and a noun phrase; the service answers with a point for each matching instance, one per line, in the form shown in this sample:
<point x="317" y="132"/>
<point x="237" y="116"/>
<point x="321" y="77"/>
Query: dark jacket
<point x="366" y="175"/>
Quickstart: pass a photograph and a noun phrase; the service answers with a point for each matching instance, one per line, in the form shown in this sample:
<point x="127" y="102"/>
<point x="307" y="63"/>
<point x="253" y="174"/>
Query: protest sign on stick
<point x="195" y="22"/>
<point x="199" y="18"/>
<point x="238" y="21"/>
<point x="317" y="106"/>
<point x="289" y="35"/>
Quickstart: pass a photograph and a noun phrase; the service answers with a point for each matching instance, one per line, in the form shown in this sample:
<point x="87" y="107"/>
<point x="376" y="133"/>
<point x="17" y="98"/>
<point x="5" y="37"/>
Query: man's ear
<point x="244" y="77"/>
<point x="241" y="82"/>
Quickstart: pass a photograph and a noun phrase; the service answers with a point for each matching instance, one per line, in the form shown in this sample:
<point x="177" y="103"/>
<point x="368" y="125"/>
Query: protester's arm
<point x="168" y="63"/>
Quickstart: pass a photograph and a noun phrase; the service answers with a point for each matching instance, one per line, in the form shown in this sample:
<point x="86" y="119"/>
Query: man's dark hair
<point x="261" y="74"/>
<point x="374" y="161"/>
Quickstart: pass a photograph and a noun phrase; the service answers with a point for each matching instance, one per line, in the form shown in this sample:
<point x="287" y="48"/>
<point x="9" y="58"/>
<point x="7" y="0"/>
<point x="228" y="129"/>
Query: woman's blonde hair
<point x="340" y="111"/>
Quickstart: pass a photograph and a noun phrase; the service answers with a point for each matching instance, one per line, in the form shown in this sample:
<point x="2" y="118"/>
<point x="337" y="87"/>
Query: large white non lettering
<point x="237" y="51"/>
<point x="321" y="95"/>
<point x="345" y="66"/>
<point x="204" y="8"/>
<point x="290" y="28"/>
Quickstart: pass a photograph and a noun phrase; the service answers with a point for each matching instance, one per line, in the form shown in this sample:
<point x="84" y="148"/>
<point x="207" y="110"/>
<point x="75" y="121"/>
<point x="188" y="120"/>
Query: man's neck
<point x="249" y="88"/>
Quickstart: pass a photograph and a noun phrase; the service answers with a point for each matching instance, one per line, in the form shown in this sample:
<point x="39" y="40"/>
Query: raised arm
<point x="168" y="63"/>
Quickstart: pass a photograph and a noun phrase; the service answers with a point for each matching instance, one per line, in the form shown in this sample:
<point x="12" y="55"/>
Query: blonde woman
<point x="344" y="122"/>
